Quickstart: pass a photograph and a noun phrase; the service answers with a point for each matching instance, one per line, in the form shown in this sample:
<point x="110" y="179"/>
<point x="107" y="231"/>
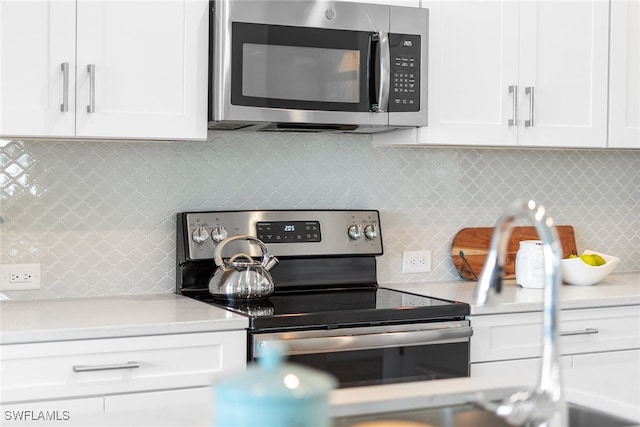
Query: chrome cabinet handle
<point x="587" y="331"/>
<point x="529" y="91"/>
<point x="64" y="107"/>
<point x="89" y="368"/>
<point x="91" y="108"/>
<point x="513" y="90"/>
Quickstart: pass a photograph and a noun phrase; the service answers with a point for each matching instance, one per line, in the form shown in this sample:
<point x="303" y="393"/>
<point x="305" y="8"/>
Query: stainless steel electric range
<point x="327" y="306"/>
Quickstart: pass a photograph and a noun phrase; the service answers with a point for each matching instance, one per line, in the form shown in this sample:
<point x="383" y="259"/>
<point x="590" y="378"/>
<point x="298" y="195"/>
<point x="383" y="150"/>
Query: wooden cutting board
<point x="474" y="244"/>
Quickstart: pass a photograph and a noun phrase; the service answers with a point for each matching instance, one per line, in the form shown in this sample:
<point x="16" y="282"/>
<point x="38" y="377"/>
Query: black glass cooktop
<point x="340" y="308"/>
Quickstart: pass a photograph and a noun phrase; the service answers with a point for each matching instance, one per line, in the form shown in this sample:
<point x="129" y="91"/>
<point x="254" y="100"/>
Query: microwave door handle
<point x="379" y="58"/>
<point x="371" y="70"/>
<point x="385" y="73"/>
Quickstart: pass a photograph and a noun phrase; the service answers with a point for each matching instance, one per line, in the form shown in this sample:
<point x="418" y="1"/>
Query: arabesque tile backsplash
<point x="100" y="215"/>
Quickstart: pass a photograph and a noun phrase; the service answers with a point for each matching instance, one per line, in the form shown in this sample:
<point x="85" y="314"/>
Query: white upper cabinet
<point x="624" y="83"/>
<point x="136" y="69"/>
<point x="150" y="62"/>
<point x="36" y="39"/>
<point x="483" y="55"/>
<point x="473" y="59"/>
<point x="563" y="60"/>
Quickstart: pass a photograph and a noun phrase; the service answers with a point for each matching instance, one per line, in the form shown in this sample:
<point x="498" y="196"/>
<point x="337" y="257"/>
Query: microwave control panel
<point x="405" y="72"/>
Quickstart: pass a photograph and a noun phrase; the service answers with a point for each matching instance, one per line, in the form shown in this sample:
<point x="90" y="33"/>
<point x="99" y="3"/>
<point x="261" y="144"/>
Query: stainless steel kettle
<point x="242" y="280"/>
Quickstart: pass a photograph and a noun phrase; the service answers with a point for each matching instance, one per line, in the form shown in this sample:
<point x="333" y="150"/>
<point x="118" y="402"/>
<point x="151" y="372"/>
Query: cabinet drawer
<point x="519" y="335"/>
<point x="117" y="365"/>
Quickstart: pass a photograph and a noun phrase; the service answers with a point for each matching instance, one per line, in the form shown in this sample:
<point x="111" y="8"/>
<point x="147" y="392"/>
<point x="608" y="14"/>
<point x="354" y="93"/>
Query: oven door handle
<point x="315" y="345"/>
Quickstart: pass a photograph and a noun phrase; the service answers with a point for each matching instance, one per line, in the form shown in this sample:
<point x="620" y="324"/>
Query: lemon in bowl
<point x="588" y="269"/>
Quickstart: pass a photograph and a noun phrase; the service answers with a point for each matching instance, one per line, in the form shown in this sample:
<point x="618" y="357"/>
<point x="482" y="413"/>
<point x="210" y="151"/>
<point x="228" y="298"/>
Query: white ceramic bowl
<point x="577" y="272"/>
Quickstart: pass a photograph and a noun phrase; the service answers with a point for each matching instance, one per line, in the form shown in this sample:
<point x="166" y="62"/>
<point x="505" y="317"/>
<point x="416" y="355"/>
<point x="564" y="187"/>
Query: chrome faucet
<point x="543" y="406"/>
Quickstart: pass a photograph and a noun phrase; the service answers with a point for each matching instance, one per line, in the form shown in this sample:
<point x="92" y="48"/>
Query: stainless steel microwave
<point x="317" y="65"/>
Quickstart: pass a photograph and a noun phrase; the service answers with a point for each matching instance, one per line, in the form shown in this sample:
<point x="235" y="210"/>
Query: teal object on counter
<point x="274" y="394"/>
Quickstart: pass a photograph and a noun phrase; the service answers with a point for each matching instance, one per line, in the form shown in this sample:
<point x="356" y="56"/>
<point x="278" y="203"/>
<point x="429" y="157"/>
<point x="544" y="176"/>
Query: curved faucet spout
<point x="545" y="405"/>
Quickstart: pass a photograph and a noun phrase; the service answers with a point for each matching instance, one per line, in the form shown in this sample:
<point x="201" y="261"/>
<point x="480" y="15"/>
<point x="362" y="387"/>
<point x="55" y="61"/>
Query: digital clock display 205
<point x="288" y="231"/>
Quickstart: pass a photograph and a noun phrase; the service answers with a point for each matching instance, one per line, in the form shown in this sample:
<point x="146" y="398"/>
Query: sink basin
<point x="467" y="415"/>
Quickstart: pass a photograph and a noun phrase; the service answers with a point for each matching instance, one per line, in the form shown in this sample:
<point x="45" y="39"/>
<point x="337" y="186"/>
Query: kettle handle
<point x="267" y="259"/>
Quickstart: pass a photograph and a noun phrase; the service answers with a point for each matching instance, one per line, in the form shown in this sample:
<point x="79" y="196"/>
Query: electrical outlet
<point x="19" y="277"/>
<point x="416" y="261"/>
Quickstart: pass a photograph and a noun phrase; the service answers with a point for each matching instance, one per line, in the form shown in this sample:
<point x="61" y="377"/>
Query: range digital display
<point x="288" y="231"/>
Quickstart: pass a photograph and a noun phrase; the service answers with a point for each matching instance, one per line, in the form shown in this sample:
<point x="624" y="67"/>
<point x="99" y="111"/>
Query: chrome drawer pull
<point x="84" y="368"/>
<point x="588" y="331"/>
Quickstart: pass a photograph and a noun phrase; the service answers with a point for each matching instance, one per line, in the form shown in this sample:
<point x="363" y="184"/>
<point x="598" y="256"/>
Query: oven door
<point x="378" y="354"/>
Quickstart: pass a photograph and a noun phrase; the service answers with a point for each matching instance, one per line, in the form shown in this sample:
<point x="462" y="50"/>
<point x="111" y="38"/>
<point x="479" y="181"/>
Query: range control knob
<point x="200" y="235"/>
<point x="370" y="231"/>
<point x="219" y="233"/>
<point x="355" y="231"/>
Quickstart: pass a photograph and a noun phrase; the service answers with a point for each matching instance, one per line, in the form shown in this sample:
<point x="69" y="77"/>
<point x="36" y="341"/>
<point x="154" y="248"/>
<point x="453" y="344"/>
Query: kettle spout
<point x="270" y="262"/>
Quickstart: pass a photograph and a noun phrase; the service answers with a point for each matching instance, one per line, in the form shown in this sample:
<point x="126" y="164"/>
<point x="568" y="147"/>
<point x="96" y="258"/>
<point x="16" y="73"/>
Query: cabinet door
<point x="149" y="69"/>
<point x="624" y="79"/>
<point x="563" y="57"/>
<point x="473" y="59"/>
<point x="179" y="407"/>
<point x="524" y="371"/>
<point x="614" y="370"/>
<point x="36" y="38"/>
<point x="66" y="412"/>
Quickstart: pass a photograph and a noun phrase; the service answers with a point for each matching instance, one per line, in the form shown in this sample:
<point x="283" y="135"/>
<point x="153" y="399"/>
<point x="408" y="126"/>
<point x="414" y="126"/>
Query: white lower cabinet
<point x="605" y="339"/>
<point x="179" y="407"/>
<point x="154" y="377"/>
<point x="524" y="371"/>
<point x="67" y="412"/>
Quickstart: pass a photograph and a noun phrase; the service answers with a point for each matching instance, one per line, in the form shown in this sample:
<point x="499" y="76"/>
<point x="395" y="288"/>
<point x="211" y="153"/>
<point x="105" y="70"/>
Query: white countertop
<point x="135" y="315"/>
<point x="615" y="290"/>
<point x="112" y="316"/>
<point x="153" y="314"/>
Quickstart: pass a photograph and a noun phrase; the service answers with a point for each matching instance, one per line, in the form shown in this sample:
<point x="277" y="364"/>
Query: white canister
<point x="530" y="264"/>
